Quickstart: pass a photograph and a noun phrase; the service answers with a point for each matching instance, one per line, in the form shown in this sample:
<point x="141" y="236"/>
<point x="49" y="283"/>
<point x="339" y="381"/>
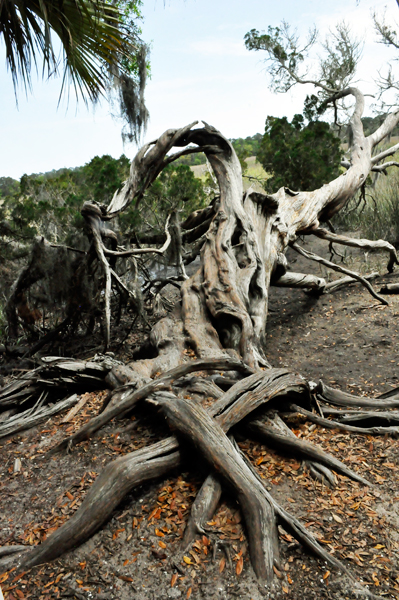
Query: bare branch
<point x="360" y="243"/>
<point x="389" y="152"/>
<point x="136" y="251"/>
<point x="383" y="168"/>
<point x="385" y="129"/>
<point x="331" y="265"/>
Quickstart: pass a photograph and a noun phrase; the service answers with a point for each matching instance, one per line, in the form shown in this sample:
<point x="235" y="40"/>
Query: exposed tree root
<point x="391" y="430"/>
<point x="242" y="239"/>
<point x="305" y="449"/>
<point x="339" y="398"/>
<point x="194" y="423"/>
<point x="32" y="417"/>
<point x="202" y="509"/>
<point x="127" y="396"/>
<point x="381" y="418"/>
<point x="110" y="487"/>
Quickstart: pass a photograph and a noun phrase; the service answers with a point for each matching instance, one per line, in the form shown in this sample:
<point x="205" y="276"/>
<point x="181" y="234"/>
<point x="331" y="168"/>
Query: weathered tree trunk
<point x="223" y="316"/>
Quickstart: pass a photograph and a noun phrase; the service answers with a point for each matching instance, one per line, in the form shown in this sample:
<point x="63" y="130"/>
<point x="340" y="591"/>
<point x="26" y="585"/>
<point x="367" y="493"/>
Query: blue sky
<point x="200" y="70"/>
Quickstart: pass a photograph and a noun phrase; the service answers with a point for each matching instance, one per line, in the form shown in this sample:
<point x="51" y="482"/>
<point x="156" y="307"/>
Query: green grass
<point x="254" y="174"/>
<point x="377" y="214"/>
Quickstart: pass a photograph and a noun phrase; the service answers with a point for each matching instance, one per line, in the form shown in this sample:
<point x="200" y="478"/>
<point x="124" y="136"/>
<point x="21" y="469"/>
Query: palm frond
<point x="91" y="35"/>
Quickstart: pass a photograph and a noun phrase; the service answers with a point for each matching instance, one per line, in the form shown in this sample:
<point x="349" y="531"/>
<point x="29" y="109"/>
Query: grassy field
<point x="253" y="176"/>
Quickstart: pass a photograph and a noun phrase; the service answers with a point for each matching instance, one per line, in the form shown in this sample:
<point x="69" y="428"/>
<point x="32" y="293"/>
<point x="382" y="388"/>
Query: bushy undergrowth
<point x="48" y="206"/>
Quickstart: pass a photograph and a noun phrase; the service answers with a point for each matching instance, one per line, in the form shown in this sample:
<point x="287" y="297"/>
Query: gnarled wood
<point x="242" y="241"/>
<point x="110" y="487"/>
<point x="340" y="269"/>
<point x="305" y="449"/>
<point x="360" y="243"/>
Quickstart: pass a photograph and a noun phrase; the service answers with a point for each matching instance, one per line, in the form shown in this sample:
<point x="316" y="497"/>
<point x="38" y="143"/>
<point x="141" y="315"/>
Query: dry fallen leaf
<point x="187" y="560"/>
<point x="336" y="518"/>
<point x="239" y="565"/>
<point x="189" y="592"/>
<point x="159" y="533"/>
<point x="117" y="532"/>
<point x="277" y="572"/>
<point x="173" y="580"/>
<point x="222" y="564"/>
<point x="374" y="578"/>
<point x="326" y="574"/>
<point x="125" y="578"/>
<point x="162" y="544"/>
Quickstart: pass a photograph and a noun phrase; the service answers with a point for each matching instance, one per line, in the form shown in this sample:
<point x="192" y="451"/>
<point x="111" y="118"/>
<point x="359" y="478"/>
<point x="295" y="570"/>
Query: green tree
<point x="247" y="147"/>
<point x="299" y="156"/>
<point x="175" y="189"/>
<point x="103" y="175"/>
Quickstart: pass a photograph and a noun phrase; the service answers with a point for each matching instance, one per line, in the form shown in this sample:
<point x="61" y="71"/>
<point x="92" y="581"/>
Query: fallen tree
<point x="222" y="318"/>
<point x="212" y="343"/>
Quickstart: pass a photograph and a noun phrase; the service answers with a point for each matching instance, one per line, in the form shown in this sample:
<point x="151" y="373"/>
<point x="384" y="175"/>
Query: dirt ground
<point x="347" y="339"/>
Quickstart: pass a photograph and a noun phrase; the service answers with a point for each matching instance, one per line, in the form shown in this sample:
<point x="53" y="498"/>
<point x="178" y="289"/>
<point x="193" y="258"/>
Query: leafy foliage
<point x="246" y="147"/>
<point x="8" y="186"/>
<point x="49" y="204"/>
<point x="287" y="59"/>
<point x="299" y="156"/>
<point x="284" y="56"/>
<point x="101" y="48"/>
<point x="342" y="54"/>
<point x="197" y="158"/>
<point x="175" y="189"/>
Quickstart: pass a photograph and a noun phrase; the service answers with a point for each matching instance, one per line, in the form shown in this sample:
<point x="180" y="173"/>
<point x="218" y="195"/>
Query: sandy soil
<point x="345" y="338"/>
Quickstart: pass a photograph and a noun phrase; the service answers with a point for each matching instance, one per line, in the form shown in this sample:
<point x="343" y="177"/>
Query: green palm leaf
<point x="92" y="38"/>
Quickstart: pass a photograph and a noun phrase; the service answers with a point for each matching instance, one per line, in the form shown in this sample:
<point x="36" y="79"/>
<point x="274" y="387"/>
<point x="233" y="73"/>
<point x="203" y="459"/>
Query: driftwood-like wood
<point x="58" y="376"/>
<point x="241" y="239"/>
<point x="110" y="487"/>
<point x="333" y="286"/>
<point x="202" y="510"/>
<point x="339" y="398"/>
<point x="128" y="396"/>
<point x="301" y="281"/>
<point x="303" y="448"/>
<point x="299" y="531"/>
<point x="324" y="234"/>
<point x="357" y="416"/>
<point x="27" y="419"/>
<point x="390" y="430"/>
<point x="194" y="423"/>
<point x="340" y="269"/>
<point x="390" y="288"/>
<point x="317" y="470"/>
